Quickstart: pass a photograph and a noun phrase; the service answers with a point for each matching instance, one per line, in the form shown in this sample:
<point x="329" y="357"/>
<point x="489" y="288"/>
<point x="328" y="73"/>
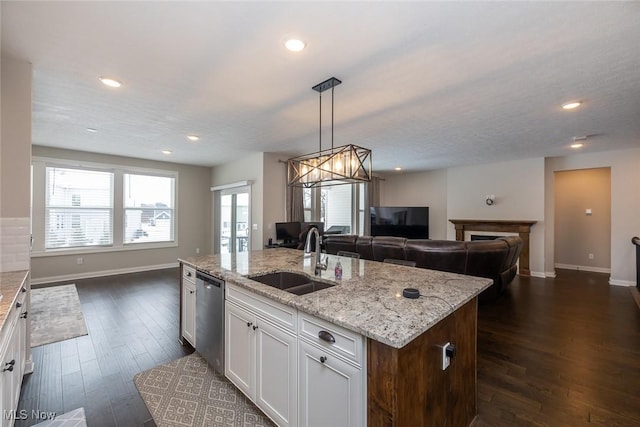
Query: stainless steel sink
<point x="294" y="283"/>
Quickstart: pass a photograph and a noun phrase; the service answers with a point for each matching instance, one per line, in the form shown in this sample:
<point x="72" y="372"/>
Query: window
<point x="148" y="208"/>
<point x="340" y="206"/>
<point x="78" y="208"/>
<point x="84" y="207"/>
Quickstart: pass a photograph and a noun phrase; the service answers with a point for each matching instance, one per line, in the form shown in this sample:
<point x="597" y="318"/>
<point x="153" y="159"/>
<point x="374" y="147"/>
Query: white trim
<point x="232" y="185"/>
<point x="103" y="249"/>
<point x="88" y="275"/>
<point x="540" y="274"/>
<point x="54" y="161"/>
<point x="550" y="274"/>
<point x="616" y="282"/>
<point x="583" y="268"/>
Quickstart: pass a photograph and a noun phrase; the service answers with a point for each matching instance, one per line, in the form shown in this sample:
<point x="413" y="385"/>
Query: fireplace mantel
<point x="523" y="228"/>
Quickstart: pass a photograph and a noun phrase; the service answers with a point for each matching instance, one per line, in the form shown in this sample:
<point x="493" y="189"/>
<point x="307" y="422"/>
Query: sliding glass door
<point x="234" y="220"/>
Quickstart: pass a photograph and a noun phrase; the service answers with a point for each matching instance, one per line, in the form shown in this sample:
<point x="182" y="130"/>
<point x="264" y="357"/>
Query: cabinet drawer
<point x="188" y="273"/>
<point x="345" y="343"/>
<point x="273" y="311"/>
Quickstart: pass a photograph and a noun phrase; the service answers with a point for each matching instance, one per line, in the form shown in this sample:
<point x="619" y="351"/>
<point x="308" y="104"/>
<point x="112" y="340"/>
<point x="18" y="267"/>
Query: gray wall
<point x="577" y="234"/>
<point x="249" y="168"/>
<point x="15" y="164"/>
<point x="193" y="228"/>
<point x="625" y="205"/>
<point x="15" y="155"/>
<point x="275" y="175"/>
<point x="420" y="189"/>
<point x="524" y="190"/>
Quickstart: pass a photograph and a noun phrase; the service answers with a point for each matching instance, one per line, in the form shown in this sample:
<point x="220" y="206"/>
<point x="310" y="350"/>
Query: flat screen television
<point x="409" y="222"/>
<point x="288" y="232"/>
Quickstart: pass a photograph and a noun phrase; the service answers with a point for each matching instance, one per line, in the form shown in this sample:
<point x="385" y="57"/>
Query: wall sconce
<point x="490" y="199"/>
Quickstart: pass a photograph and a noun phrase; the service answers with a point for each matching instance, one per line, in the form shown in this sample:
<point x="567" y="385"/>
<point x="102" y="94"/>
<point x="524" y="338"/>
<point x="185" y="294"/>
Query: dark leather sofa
<point x="493" y="259"/>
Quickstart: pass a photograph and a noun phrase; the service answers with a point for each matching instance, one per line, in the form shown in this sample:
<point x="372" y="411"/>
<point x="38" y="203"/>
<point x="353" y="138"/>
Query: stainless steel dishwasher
<point x="210" y="319"/>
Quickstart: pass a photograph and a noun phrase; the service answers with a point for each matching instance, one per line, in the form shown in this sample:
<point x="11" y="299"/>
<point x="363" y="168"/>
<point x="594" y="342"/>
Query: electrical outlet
<point x="197" y="250"/>
<point x="446" y="360"/>
<point x="591" y="256"/>
<point x="79" y="260"/>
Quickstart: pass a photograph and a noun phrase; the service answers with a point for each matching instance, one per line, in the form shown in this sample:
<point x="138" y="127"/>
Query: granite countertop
<point x="11" y="283"/>
<point x="368" y="299"/>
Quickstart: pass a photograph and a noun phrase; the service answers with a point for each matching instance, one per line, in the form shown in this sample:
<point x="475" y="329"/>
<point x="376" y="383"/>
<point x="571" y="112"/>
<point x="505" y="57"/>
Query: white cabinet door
<point x="10" y="375"/>
<point x="276" y="373"/>
<point x="189" y="312"/>
<point x="331" y="390"/>
<point x="239" y="351"/>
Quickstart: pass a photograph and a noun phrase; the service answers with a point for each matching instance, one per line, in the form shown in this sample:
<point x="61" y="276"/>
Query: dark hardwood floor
<point x="561" y="352"/>
<point x="133" y="326"/>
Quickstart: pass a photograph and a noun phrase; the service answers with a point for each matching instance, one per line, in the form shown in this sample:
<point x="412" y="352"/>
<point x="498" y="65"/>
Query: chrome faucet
<point x="319" y="265"/>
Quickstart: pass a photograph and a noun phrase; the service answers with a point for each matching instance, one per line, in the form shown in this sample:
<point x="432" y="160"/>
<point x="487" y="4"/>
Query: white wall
<point x="193" y="227"/>
<point x="625" y="206"/>
<point x="419" y="189"/>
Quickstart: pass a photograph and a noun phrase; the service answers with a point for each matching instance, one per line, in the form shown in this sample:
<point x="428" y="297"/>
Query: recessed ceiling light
<point x="571" y="105"/>
<point x="577" y="145"/>
<point x="193" y="137"/>
<point x="167" y="152"/>
<point x="110" y="82"/>
<point x="92" y="130"/>
<point x="295" y="45"/>
<point x="398" y="169"/>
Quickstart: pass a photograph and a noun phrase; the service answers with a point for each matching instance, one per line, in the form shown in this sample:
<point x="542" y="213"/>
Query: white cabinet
<point x="240" y="355"/>
<point x="276" y="373"/>
<point x="261" y="353"/>
<point x="12" y="358"/>
<point x="330" y="389"/>
<point x="332" y="377"/>
<point x="188" y="319"/>
<point x="298" y="369"/>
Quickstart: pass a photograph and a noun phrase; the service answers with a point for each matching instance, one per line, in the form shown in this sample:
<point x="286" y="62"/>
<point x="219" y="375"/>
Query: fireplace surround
<point x="522" y="228"/>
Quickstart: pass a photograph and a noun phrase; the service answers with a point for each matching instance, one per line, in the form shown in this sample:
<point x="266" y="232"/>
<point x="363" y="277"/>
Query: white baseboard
<point x="88" y="275"/>
<point x="550" y="274"/>
<point x="583" y="268"/>
<point x="616" y="282"/>
<point x="539" y="274"/>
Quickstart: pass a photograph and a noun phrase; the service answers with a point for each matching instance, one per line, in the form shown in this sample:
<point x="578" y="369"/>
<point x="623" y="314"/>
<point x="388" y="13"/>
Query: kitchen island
<point x="405" y="380"/>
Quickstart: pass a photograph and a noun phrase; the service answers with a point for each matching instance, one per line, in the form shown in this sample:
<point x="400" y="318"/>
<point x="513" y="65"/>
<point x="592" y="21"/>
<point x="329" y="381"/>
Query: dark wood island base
<point x="407" y="386"/>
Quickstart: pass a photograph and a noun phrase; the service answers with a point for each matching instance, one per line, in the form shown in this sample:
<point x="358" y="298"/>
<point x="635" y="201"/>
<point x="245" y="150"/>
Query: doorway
<point x="233" y="220"/>
<point x="583" y="219"/>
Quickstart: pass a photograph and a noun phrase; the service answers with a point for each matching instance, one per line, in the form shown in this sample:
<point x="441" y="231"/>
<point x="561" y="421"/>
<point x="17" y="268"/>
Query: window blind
<point x="78" y="208"/>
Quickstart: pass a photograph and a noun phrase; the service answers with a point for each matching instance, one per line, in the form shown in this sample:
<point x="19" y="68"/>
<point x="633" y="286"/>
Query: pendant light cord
<point x="320" y="126"/>
<point x="332" y="119"/>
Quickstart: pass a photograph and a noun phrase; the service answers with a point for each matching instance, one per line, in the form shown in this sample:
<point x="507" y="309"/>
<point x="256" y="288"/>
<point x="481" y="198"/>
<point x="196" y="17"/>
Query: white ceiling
<point x="425" y="85"/>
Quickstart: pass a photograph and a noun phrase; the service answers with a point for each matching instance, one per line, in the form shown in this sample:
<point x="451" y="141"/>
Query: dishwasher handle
<point x="209" y="280"/>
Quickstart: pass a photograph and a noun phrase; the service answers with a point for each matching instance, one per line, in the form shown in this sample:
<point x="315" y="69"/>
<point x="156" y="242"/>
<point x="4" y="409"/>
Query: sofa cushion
<point x="442" y="255"/>
<point x="364" y="248"/>
<point x="340" y="242"/>
<point x="385" y="247"/>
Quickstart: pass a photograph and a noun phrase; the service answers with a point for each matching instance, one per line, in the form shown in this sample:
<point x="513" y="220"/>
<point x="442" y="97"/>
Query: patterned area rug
<point x="73" y="418"/>
<point x="56" y="315"/>
<point x="187" y="392"/>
